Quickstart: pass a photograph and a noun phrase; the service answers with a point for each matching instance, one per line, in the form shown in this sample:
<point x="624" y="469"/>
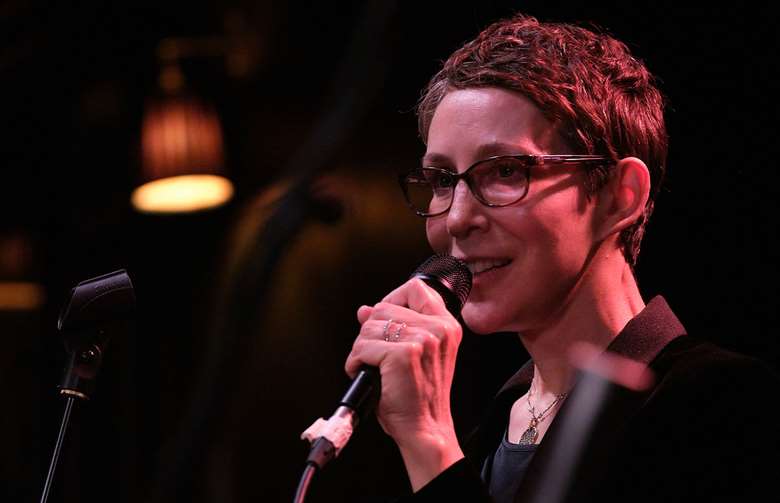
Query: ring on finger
<point x="385" y="333"/>
<point x="397" y="334"/>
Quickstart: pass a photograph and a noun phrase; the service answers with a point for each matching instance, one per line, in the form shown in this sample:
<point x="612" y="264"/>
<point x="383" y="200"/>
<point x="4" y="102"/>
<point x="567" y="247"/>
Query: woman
<point x="546" y="146"/>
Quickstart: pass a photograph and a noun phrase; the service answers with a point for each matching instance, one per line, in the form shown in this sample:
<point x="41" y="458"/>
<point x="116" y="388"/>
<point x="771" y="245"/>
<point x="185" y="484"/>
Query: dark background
<point x="73" y="83"/>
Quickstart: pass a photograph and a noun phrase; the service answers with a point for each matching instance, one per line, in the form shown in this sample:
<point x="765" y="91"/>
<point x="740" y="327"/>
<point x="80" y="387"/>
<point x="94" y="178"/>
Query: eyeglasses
<point x="496" y="181"/>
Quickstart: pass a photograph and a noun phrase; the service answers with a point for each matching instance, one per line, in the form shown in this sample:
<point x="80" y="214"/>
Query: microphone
<point x="96" y="309"/>
<point x="451" y="278"/>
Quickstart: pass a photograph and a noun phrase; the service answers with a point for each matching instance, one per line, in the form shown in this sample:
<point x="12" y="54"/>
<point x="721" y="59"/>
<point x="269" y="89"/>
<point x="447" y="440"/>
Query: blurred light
<point x="179" y="194"/>
<point x="182" y="155"/>
<point x="20" y="296"/>
<point x="17" y="291"/>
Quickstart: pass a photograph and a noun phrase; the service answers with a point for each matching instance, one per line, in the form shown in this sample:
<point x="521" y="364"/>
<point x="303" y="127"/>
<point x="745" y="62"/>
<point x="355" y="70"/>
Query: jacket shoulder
<point x="691" y="362"/>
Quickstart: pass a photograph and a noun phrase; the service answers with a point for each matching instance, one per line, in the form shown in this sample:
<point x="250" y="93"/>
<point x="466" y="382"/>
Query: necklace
<point x="531" y="433"/>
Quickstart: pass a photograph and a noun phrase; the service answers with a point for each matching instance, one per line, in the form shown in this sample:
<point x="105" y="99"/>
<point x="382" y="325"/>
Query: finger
<point x="378" y="329"/>
<point x="374" y="353"/>
<point x="365" y="354"/>
<point x="364" y="313"/>
<point x="439" y="325"/>
<point x="417" y="296"/>
<point x="432" y="350"/>
<point x="386" y="330"/>
<point x="426" y="340"/>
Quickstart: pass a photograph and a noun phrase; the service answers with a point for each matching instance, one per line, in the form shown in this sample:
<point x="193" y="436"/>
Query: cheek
<point x="558" y="237"/>
<point x="436" y="230"/>
<point x="549" y="223"/>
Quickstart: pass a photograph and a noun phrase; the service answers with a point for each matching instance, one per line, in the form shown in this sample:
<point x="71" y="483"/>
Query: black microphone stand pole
<point x="75" y="387"/>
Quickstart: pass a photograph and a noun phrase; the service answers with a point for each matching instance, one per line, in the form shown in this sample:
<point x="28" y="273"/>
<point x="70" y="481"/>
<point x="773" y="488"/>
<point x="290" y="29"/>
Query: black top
<point x="701" y="433"/>
<point x="508" y="465"/>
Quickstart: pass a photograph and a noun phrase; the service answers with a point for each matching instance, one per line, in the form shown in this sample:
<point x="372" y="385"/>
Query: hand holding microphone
<point x="413" y="339"/>
<point x="410" y="339"/>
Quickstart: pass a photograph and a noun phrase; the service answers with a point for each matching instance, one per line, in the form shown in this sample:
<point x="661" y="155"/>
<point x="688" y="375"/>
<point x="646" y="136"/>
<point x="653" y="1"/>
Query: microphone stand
<point x="96" y="309"/>
<point x="77" y="384"/>
<point x="57" y="448"/>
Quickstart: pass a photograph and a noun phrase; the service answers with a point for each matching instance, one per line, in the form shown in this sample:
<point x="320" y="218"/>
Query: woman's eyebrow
<point x="431" y="158"/>
<point x="483" y="151"/>
<point x="499" y="148"/>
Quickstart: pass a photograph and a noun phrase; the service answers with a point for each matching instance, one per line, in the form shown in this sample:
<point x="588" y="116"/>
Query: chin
<point x="480" y="322"/>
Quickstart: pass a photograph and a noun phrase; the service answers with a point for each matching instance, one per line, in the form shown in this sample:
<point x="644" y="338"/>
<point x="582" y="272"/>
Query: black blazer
<point x="703" y="432"/>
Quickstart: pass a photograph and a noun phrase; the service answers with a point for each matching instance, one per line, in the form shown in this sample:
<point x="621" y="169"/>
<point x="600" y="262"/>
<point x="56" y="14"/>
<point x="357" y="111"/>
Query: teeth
<point x="479" y="266"/>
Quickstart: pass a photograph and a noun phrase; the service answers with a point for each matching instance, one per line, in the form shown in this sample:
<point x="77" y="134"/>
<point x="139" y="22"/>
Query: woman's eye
<point x="444" y="182"/>
<point x="506" y="170"/>
<point x="440" y="180"/>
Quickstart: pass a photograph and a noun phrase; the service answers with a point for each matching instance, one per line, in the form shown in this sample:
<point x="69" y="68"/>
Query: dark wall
<point x="73" y="82"/>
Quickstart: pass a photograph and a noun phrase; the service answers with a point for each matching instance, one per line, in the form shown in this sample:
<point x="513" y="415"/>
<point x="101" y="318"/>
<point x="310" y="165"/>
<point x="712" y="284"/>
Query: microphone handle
<point x="363" y="391"/>
<point x="360" y="399"/>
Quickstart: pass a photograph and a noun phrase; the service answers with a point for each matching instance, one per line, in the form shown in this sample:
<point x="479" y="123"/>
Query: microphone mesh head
<point x="451" y="273"/>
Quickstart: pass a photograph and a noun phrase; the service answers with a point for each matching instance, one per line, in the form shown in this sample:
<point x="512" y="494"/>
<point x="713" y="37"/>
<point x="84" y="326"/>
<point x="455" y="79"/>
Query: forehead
<point x="468" y="121"/>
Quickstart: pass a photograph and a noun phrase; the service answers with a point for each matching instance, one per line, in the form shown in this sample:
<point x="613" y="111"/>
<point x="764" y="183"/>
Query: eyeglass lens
<point x="494" y="182"/>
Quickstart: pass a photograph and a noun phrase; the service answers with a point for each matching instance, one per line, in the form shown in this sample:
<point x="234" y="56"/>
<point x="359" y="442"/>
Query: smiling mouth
<point x="481" y="266"/>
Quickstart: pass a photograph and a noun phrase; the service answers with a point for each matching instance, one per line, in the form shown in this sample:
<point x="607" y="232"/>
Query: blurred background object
<point x="181" y="139"/>
<point x="19" y="291"/>
<point x="271" y="93"/>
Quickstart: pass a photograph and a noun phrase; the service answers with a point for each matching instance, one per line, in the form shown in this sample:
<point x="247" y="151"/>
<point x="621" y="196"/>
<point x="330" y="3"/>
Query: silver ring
<point x="385" y="334"/>
<point x="397" y="334"/>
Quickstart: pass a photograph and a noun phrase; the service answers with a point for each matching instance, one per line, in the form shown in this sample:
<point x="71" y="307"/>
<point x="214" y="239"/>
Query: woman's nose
<point x="466" y="214"/>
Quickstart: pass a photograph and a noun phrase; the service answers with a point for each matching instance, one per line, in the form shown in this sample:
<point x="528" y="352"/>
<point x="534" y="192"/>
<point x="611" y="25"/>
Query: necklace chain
<point x="531" y="433"/>
<point x="546" y="411"/>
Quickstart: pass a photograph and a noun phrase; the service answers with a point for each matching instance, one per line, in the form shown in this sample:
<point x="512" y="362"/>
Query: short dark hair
<point x="602" y="99"/>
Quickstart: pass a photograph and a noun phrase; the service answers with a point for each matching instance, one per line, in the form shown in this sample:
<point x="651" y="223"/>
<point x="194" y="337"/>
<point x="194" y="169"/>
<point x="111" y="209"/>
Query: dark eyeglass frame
<point x="530" y="161"/>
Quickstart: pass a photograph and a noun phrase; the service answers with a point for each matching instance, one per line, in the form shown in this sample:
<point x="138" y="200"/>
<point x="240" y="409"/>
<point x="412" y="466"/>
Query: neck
<point x="604" y="300"/>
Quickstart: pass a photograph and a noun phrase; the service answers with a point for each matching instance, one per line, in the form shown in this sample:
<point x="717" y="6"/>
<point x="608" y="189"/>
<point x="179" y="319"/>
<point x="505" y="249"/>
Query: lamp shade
<point x="182" y="158"/>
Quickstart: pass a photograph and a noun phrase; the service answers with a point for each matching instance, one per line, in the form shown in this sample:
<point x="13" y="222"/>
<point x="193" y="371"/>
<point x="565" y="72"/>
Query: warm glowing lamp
<point x="18" y="292"/>
<point x="182" y="155"/>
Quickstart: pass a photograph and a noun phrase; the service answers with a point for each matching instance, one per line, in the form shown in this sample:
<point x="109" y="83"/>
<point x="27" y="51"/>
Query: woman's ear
<point x="624" y="197"/>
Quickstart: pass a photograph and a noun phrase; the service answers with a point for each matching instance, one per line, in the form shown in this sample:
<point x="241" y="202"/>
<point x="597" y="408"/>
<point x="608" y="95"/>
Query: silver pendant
<point x="529" y="436"/>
